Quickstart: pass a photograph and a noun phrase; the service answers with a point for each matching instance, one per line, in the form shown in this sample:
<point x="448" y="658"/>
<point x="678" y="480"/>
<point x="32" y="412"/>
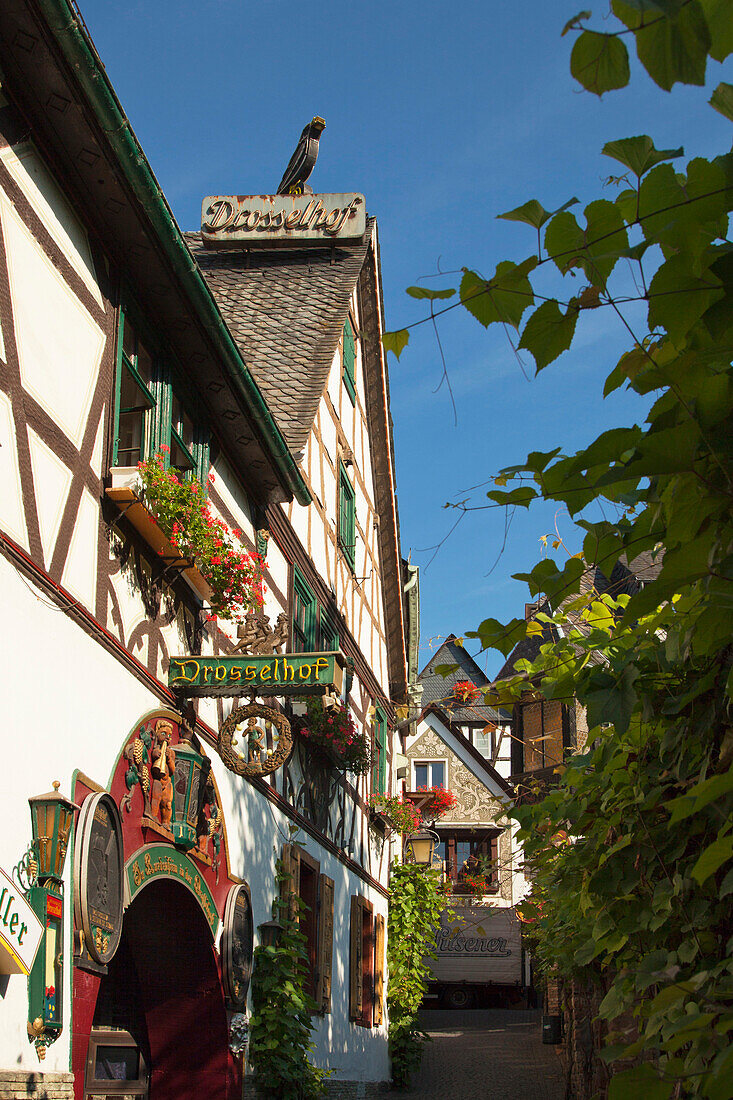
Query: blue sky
<point x="443" y="116"/>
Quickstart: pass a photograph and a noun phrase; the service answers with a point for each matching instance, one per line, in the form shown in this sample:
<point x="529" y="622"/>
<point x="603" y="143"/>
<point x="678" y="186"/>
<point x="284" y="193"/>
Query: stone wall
<point x="22" y="1085"/>
<point x="578" y="1002"/>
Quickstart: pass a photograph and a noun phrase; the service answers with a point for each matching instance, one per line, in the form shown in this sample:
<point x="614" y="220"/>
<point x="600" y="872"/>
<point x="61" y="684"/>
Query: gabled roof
<point x="286" y="310"/>
<point x="481" y="767"/>
<point x="437" y="688"/>
<point x="627" y="578"/>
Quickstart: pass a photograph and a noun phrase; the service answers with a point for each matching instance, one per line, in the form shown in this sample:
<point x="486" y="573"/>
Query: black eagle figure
<point x="303" y="160"/>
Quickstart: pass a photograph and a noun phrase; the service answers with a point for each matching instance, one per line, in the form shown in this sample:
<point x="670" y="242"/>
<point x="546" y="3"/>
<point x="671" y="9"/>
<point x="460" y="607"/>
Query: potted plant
<point x="465" y="693"/>
<point x="177" y="509"/>
<point x="332" y="732"/>
<point x="401" y="814"/>
<point x="435" y="801"/>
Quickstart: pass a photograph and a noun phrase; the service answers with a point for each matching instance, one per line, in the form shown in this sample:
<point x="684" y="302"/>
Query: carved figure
<point x="257" y="636"/>
<point x="137" y="755"/>
<point x="163" y="765"/>
<point x="256" y="741"/>
<point x="242" y="762"/>
<point x="303" y="160"/>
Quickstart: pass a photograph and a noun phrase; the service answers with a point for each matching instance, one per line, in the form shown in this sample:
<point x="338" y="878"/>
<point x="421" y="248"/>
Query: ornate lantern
<point x="189" y="784"/>
<point x="51" y="818"/>
<point x="420" y="847"/>
<point x="270" y="933"/>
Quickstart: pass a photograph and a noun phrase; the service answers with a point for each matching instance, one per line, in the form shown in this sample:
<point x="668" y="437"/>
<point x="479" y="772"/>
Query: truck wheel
<point x="459" y="997"/>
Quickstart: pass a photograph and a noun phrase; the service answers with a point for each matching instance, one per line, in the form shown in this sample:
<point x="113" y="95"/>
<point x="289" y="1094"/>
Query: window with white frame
<point x="429" y="773"/>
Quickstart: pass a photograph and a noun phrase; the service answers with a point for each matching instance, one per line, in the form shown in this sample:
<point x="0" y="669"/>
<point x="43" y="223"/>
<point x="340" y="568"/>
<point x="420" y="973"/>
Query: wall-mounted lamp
<point x="52" y="816"/>
<point x="270" y="933"/>
<point x="420" y="847"/>
<point x="189" y="784"/>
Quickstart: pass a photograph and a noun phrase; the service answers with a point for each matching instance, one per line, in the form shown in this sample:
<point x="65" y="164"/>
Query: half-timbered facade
<point x="259" y="377"/>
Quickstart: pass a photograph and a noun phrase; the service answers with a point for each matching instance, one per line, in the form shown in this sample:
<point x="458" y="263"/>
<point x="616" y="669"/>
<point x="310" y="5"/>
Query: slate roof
<point x="437" y="688"/>
<point x="627" y="578"/>
<point x="286" y="309"/>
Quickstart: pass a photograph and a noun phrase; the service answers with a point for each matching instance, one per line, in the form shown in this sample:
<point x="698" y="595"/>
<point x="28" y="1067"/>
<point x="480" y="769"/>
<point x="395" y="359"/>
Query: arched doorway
<point x="160" y="1018"/>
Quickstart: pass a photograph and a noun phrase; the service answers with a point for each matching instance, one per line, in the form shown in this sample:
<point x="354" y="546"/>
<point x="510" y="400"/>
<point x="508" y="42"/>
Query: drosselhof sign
<point x="250" y="220"/>
<point x="266" y="675"/>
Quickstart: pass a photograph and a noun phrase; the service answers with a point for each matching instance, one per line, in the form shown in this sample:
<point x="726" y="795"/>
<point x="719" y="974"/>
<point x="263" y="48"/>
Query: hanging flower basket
<point x="465" y="693"/>
<point x="180" y="509"/>
<point x="434" y="801"/>
<point x="331" y="731"/>
<point x="402" y="814"/>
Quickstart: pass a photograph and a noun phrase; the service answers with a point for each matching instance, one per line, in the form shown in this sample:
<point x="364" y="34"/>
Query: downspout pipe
<point x="84" y="61"/>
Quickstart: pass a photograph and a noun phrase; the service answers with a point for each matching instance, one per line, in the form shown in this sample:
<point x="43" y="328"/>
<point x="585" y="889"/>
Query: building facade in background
<point x="255" y="371"/>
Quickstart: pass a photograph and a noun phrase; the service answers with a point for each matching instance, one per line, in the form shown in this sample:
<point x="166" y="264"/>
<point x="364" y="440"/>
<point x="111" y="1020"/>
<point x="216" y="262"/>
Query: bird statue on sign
<point x="303" y="160"/>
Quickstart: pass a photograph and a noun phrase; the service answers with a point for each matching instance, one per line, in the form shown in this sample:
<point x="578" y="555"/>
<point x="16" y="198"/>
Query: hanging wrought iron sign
<point x="237" y="943"/>
<point x="98" y="881"/>
<point x="255" y="740"/>
<point x="261" y="674"/>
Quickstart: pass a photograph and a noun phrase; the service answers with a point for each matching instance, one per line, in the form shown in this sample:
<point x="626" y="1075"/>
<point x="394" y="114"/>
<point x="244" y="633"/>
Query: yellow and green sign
<point x="267" y="674"/>
<point x="156" y="861"/>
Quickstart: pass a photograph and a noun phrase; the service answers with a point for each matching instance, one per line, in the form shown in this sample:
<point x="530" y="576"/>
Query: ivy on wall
<point x="415" y="903"/>
<point x="280" y="1024"/>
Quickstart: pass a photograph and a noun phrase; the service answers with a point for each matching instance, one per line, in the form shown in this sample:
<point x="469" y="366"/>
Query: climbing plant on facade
<point x="416" y="901"/>
<point x="280" y="1024"/>
<point x="639" y="891"/>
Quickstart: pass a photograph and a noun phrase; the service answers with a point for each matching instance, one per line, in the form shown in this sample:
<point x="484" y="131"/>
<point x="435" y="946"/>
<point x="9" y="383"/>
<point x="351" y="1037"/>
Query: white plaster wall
<point x="59" y="344"/>
<point x="73" y="705"/>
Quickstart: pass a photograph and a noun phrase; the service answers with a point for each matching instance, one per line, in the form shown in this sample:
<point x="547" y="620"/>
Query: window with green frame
<point x="313" y="628"/>
<point x="305" y="616"/>
<point x="379" y="756"/>
<point x="347" y="517"/>
<point x="349" y="373"/>
<point x="152" y="411"/>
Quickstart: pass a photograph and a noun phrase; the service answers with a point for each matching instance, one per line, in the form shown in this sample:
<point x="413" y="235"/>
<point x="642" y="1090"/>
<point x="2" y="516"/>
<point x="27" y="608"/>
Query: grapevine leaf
<point x="642" y="1080"/>
<point x="425" y="292"/>
<point x="600" y="62"/>
<point x="533" y="213"/>
<point x="713" y="857"/>
<point x="574" y="24"/>
<point x="720" y="25"/>
<point x="722" y="99"/>
<point x="677" y="298"/>
<point x="638" y="153"/>
<point x="503" y="298"/>
<point x="549" y="332"/>
<point x="672" y="49"/>
<point x="396" y="341"/>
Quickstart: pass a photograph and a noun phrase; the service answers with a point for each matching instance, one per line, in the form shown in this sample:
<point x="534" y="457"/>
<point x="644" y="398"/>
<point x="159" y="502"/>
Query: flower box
<point x="126" y="493"/>
<point x="432" y="801"/>
<point x="331" y="733"/>
<point x="400" y="814"/>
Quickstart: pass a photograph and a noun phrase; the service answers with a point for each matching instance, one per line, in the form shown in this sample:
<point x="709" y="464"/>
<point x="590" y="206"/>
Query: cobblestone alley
<point x="486" y="1055"/>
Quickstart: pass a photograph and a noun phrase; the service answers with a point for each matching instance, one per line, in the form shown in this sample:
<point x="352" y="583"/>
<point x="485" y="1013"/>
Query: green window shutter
<point x="136" y="393"/>
<point x="305" y="616"/>
<point x="379" y="764"/>
<point x="349" y="374"/>
<point x="347" y="517"/>
<point x="329" y="633"/>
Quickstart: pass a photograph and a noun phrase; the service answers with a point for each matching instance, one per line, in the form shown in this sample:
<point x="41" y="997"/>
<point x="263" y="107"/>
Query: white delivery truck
<point x="479" y="958"/>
